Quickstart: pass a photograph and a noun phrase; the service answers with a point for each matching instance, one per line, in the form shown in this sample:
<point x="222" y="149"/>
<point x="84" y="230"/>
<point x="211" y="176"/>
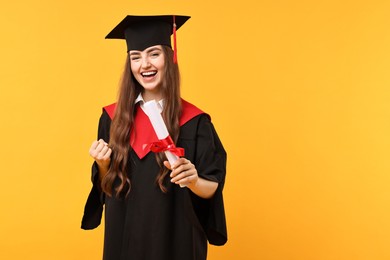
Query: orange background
<point x="298" y="91"/>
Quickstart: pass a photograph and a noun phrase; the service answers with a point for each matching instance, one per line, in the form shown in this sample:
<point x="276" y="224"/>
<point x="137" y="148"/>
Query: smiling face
<point x="148" y="67"/>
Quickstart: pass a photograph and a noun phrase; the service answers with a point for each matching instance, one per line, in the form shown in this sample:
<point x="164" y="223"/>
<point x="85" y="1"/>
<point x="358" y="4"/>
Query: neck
<point x="149" y="95"/>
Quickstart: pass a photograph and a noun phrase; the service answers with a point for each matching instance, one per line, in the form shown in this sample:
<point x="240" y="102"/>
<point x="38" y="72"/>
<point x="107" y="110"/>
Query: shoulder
<point x="190" y="112"/>
<point x="196" y="126"/>
<point x="106" y="116"/>
<point x="110" y="110"/>
<point x="189" y="107"/>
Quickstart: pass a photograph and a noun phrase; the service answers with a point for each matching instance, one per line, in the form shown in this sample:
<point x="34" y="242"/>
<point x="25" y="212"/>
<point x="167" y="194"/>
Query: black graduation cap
<point x="141" y="32"/>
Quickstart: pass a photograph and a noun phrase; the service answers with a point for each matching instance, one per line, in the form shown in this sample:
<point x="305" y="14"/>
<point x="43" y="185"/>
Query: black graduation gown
<point x="152" y="225"/>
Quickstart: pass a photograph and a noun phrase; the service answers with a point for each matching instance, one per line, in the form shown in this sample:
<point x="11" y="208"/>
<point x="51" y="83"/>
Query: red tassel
<point x="174" y="41"/>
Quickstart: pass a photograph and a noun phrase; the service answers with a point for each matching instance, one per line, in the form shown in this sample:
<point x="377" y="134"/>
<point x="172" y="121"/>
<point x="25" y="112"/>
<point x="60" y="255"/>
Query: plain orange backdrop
<point x="298" y="91"/>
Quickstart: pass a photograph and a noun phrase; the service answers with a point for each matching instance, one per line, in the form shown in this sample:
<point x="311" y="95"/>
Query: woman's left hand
<point x="183" y="172"/>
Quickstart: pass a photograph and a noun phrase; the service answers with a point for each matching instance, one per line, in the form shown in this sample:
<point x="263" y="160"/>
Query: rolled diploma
<point x="159" y="127"/>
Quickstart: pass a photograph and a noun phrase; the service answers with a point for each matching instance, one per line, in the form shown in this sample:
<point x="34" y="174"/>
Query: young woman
<point x="148" y="215"/>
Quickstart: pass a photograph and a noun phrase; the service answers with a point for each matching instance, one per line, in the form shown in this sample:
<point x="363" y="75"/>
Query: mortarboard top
<point x="141" y="32"/>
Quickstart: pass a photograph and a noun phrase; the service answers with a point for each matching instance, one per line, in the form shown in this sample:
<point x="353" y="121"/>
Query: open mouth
<point x="148" y="74"/>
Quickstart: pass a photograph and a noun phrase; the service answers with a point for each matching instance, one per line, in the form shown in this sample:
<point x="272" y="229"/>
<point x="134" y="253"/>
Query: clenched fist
<point x="101" y="153"/>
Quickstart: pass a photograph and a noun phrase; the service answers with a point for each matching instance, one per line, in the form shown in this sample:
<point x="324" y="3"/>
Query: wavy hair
<point x="123" y="123"/>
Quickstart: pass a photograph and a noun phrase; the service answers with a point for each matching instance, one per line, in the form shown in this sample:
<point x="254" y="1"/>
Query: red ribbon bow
<point x="166" y="145"/>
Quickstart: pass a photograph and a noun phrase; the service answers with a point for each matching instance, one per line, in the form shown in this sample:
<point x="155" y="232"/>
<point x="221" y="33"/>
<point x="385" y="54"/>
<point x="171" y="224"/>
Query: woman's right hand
<point x="101" y="153"/>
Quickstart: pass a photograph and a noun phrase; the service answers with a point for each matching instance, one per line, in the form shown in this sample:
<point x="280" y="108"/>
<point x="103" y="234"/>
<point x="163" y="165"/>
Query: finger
<point x="93" y="150"/>
<point x="107" y="155"/>
<point x="183" y="167"/>
<point x="187" y="180"/>
<point x="182" y="175"/>
<point x="102" y="141"/>
<point x="168" y="165"/>
<point x="96" y="148"/>
<point x="93" y="146"/>
<point x="101" y="146"/>
<point x="179" y="162"/>
<point x="177" y="177"/>
<point x="102" y="153"/>
<point x="178" y="171"/>
<point x="104" y="150"/>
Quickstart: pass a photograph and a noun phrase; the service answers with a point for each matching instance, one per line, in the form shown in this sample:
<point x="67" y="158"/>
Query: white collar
<point x="142" y="101"/>
<point x="139" y="99"/>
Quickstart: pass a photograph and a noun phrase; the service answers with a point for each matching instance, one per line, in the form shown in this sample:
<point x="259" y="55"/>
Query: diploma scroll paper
<point x="153" y="112"/>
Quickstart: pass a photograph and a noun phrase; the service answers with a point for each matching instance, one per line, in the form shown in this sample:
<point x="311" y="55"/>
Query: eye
<point x="155" y="54"/>
<point x="135" y="57"/>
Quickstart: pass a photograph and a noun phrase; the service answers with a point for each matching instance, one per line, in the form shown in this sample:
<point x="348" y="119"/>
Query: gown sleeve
<point x="93" y="209"/>
<point x="210" y="162"/>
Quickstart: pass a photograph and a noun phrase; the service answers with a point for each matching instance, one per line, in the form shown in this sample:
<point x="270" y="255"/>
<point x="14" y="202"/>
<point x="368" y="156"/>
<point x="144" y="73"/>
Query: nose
<point x="145" y="62"/>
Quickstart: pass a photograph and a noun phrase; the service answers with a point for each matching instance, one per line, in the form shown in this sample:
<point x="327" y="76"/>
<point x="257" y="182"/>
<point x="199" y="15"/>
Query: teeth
<point x="148" y="73"/>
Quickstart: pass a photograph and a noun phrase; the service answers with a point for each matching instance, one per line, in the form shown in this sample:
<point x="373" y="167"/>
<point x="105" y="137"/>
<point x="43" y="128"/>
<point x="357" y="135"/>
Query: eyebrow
<point x="148" y="51"/>
<point x="154" y="49"/>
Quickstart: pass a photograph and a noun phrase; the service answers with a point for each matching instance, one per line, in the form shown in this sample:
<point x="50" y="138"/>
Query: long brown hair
<point x="123" y="122"/>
